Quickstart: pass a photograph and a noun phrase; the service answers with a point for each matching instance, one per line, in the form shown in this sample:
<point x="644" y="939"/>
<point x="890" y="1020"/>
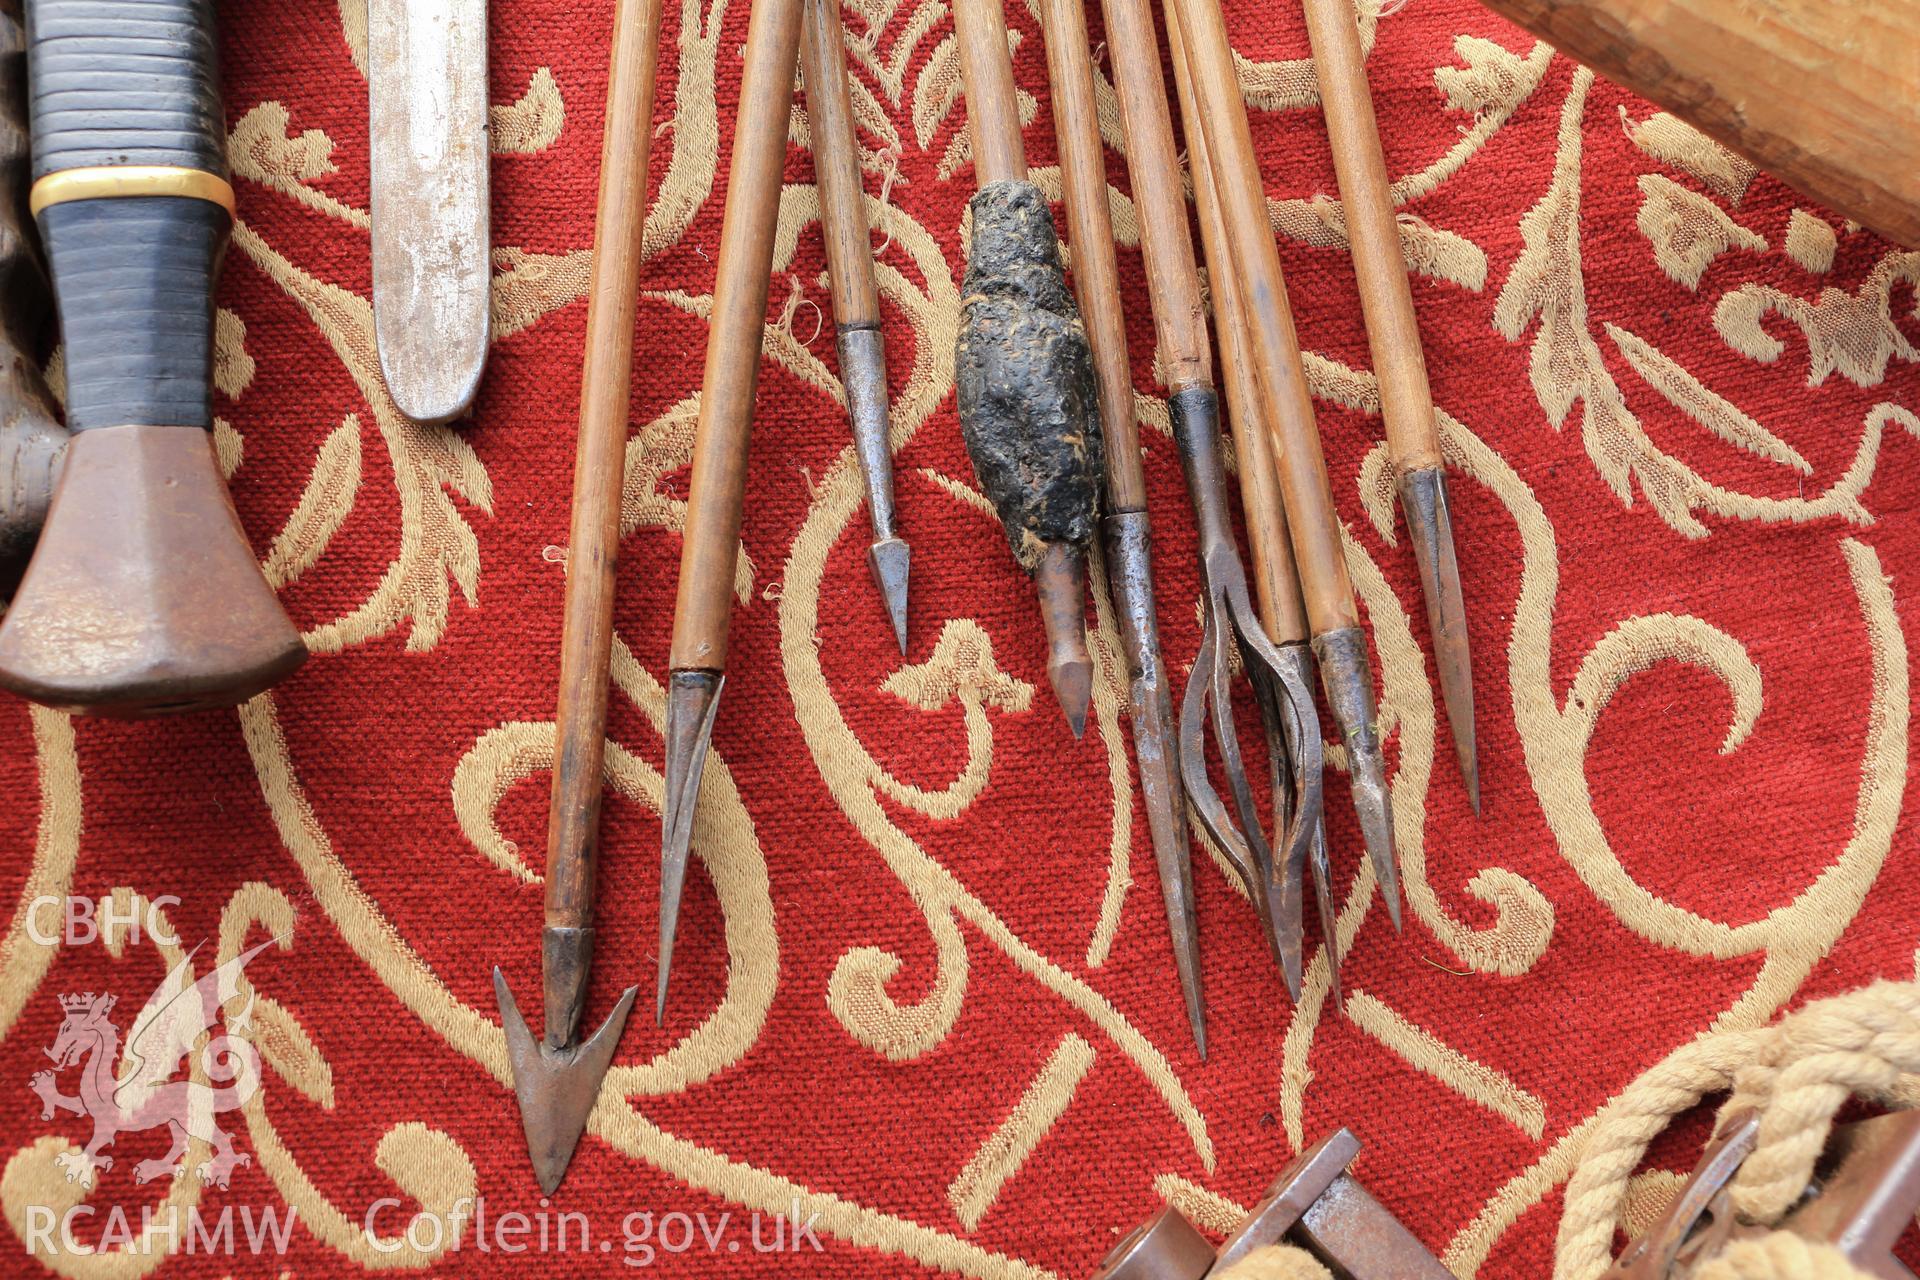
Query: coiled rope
<point x="1795" y="1074"/>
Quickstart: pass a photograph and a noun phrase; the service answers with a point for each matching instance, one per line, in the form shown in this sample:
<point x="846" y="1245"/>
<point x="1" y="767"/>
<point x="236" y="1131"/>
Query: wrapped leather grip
<point x="115" y="83"/>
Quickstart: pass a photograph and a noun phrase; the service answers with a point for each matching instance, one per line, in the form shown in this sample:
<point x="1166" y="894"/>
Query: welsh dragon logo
<point x="142" y="1094"/>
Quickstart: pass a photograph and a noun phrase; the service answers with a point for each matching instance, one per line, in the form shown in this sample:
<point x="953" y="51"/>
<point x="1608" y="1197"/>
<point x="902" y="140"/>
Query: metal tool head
<point x="556" y="1087"/>
<point x="1295" y="771"/>
<point x="1677" y="1239"/>
<point x="1130" y="577"/>
<point x="1865" y="1190"/>
<point x="1322" y="872"/>
<point x="1243" y="844"/>
<point x="1348" y="681"/>
<point x="1301" y="1183"/>
<point x="1317" y="1204"/>
<point x="1227" y="615"/>
<point x="1423" y="496"/>
<point x="1164" y="1247"/>
<point x="692" y="699"/>
<point x="889" y="559"/>
<point x="1273" y="881"/>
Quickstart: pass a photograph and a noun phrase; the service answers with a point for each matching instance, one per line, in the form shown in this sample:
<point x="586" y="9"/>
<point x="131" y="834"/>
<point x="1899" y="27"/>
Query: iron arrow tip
<point x="1348" y="680"/>
<point x="1290" y="969"/>
<point x="1154" y="748"/>
<point x="1423" y="498"/>
<point x="1186" y="961"/>
<point x="1322" y="873"/>
<point x="693" y="698"/>
<point x="889" y="559"/>
<point x="556" y="1088"/>
<point x="1375" y="809"/>
<point x="1392" y="894"/>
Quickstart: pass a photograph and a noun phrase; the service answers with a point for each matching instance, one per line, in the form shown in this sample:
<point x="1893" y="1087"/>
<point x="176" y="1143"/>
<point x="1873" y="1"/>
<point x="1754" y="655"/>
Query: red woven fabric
<point x="923" y="988"/>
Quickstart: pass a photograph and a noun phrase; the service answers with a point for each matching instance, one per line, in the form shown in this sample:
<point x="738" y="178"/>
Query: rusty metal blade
<point x="428" y="156"/>
<point x="863" y="372"/>
<point x="1348" y="681"/>
<point x="1322" y="871"/>
<point x="1130" y="577"/>
<point x="1423" y="496"/>
<point x="556" y="1087"/>
<point x="692" y="700"/>
<point x="890" y="559"/>
<point x="1153" y="746"/>
<point x="1283" y="677"/>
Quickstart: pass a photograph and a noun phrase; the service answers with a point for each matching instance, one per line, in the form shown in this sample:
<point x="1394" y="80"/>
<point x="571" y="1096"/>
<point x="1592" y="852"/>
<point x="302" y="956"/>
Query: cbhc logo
<point x="84" y="920"/>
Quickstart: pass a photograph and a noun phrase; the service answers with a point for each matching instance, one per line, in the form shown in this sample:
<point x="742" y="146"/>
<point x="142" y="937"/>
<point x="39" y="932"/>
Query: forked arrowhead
<point x="556" y="1087"/>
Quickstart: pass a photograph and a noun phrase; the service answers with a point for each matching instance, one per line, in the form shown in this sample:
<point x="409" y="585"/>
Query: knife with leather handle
<point x="143" y="596"/>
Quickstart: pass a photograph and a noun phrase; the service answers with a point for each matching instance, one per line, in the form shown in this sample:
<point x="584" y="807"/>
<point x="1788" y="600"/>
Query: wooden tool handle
<point x="1366" y="193"/>
<point x="836" y="168"/>
<point x="1210" y="91"/>
<point x="1822" y="95"/>
<point x="717" y="490"/>
<point x="593" y="547"/>
<point x="1275" y="582"/>
<point x="993" y="107"/>
<point x="143" y="596"/>
<point x="1153" y="161"/>
<point x="1096" y="270"/>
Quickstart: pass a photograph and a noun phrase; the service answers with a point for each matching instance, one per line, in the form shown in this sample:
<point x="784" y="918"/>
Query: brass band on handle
<point x="123" y="180"/>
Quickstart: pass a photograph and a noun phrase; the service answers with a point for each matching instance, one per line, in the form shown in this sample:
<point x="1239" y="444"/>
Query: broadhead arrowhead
<point x="556" y="1088"/>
